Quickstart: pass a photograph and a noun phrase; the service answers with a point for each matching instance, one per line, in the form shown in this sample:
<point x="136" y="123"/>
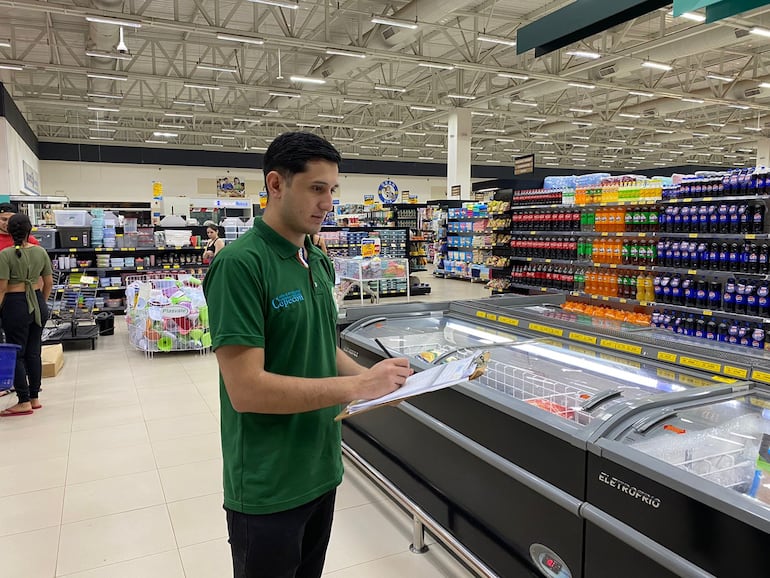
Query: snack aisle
<point x="565" y="402"/>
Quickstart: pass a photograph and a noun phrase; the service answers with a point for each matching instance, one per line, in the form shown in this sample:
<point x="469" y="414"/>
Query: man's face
<point x="303" y="200"/>
<point x="4" y="222"/>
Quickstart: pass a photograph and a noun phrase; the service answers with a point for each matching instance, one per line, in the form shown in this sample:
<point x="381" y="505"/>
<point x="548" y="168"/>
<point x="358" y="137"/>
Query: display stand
<point x="72" y="311"/>
<point x="374" y="273"/>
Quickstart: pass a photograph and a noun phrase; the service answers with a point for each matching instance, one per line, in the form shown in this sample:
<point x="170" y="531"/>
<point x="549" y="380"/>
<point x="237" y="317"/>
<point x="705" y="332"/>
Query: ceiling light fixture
<point x="390" y="142"/>
<point x="436" y="65"/>
<point x="512" y="76"/>
<point x="425" y="158"/>
<point x="582" y="110"/>
<point x="234" y="130"/>
<point x="201" y="86"/>
<point x="174" y="126"/>
<point x="243" y="39"/>
<point x="217" y="67"/>
<point x="690" y="16"/>
<point x="101" y="138"/>
<point x="653" y="144"/>
<point x="388" y="121"/>
<point x="258" y="148"/>
<point x="524" y="103"/>
<point x="411" y="150"/>
<point x="719" y="77"/>
<point x="508" y="140"/>
<point x="213" y="145"/>
<point x="154" y="141"/>
<point x="513" y="150"/>
<point x="112" y="55"/>
<point x="716" y="124"/>
<point x="338" y="52"/>
<point x="365" y="129"/>
<point x="385" y="88"/>
<point x="580" y="145"/>
<point x="394" y="22"/>
<point x="640" y="93"/>
<point x="278" y="3"/>
<point x="307" y="79"/>
<point x="102" y="121"/>
<point x="664" y="131"/>
<point x="103" y="109"/>
<point x="493" y="161"/>
<point x="415" y="133"/>
<point x="581" y="85"/>
<point x="693" y="100"/>
<point x="461" y="96"/>
<point x="102" y="129"/>
<point x="369" y="147"/>
<point x="497" y="130"/>
<point x="165" y="134"/>
<point x="479" y="113"/>
<point x="579" y="137"/>
<point x="617" y="140"/>
<point x="676" y="120"/>
<point x="101" y="95"/>
<point x="440" y="126"/>
<point x="334" y="116"/>
<point x="106" y="76"/>
<point x="495" y="40"/>
<point x="629" y="115"/>
<point x="657" y="65"/>
<point x="308" y="125"/>
<point x="760" y="31"/>
<point x="265" y="110"/>
<point x="189" y="103"/>
<point x="115" y="21"/>
<point x="739" y="106"/>
<point x="222" y="137"/>
<point x="361" y="102"/>
<point x="752" y="128"/>
<point x="5" y="44"/>
<point x="285" y="94"/>
<point x="434" y="146"/>
<point x="583" y="54"/>
<point x="533" y="133"/>
<point x="734" y="137"/>
<point x="620" y="127"/>
<point x="389" y="156"/>
<point x="423" y="108"/>
<point x="342" y="138"/>
<point x="535" y="118"/>
<point x="178" y="114"/>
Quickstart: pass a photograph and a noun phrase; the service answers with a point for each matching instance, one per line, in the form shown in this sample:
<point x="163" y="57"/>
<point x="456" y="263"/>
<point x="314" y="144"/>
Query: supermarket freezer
<point x="694" y="478"/>
<point x="521" y="431"/>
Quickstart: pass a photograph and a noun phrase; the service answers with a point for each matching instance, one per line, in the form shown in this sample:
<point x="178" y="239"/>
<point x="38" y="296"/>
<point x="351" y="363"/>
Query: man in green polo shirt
<point x="282" y="378"/>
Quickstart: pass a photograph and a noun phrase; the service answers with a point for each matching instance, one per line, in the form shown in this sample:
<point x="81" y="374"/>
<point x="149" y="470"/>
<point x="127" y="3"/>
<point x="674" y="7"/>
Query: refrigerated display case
<point x="501" y="462"/>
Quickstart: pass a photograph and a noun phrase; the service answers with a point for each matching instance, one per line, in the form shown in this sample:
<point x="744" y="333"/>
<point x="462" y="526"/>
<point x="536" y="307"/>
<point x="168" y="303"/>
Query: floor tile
<point x="32" y="476"/>
<point x="31" y="511"/>
<point x="112" y="496"/>
<point x="131" y="434"/>
<point x="178" y="427"/>
<point x="107" y="417"/>
<point x="191" y="480"/>
<point x="107" y="463"/>
<point x="198" y="520"/>
<point x="165" y="565"/>
<point x="15" y="559"/>
<point x="19" y="447"/>
<point x="356" y="490"/>
<point x="187" y="450"/>
<point x="435" y="563"/>
<point x="188" y="404"/>
<point x="207" y="560"/>
<point x="116" y="538"/>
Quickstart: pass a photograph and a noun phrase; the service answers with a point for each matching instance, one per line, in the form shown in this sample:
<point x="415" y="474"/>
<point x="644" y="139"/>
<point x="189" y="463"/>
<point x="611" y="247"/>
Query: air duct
<point x="102" y="38"/>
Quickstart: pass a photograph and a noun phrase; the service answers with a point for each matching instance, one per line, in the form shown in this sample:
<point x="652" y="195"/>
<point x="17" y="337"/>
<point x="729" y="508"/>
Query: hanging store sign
<point x="413" y="200"/>
<point x="729" y="8"/>
<point x="31" y="178"/>
<point x="368" y="200"/>
<point x="524" y="165"/>
<point x="388" y="192"/>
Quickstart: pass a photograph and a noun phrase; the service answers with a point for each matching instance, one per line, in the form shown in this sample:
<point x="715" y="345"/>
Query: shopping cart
<point x="8" y="352"/>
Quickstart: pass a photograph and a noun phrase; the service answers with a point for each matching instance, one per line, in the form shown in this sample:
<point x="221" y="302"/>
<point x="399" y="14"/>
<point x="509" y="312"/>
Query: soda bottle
<point x="758" y="218"/>
<point x="763" y="299"/>
<point x="733" y="261"/>
<point x="715" y="295"/>
<point x="701" y="294"/>
<point x="752" y="301"/>
<point x="744" y="225"/>
<point x="711" y="329"/>
<point x="723" y="331"/>
<point x="649" y="289"/>
<point x="677" y="297"/>
<point x="724" y="219"/>
<point x="657" y="289"/>
<point x="733" y="219"/>
<point x="688" y="292"/>
<point x="628" y="220"/>
<point x="728" y="297"/>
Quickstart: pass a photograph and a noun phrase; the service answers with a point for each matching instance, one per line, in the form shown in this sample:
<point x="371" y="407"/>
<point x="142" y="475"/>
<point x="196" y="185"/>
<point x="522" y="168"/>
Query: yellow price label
<point x="508" y="320"/>
<point x="628" y="348"/>
<point x="643" y="303"/>
<point x="708" y="198"/>
<point x="131" y="249"/>
<point x="140" y="268"/>
<point x="687" y="200"/>
<point x="762" y="376"/>
<point x="623" y="300"/>
<point x="605" y="234"/>
<point x="735" y="371"/>
<point x="691" y="271"/>
<point x="582" y="337"/>
<point x="700" y="364"/>
<point x="708" y="312"/>
<point x="723" y="379"/>
<point x="546" y="329"/>
<point x="693" y="235"/>
<point x="605" y="298"/>
<point x="666" y="373"/>
<point x="642" y="234"/>
<point x="759" y="402"/>
<point x="547" y="260"/>
<point x="481" y="314"/>
<point x="491" y="316"/>
<point x="167" y="266"/>
<point x="665" y="356"/>
<point x="73" y="250"/>
<point x="594" y="296"/>
<point x="750" y="236"/>
<point x="613" y="266"/>
<point x="642" y="268"/>
<point x="695" y="381"/>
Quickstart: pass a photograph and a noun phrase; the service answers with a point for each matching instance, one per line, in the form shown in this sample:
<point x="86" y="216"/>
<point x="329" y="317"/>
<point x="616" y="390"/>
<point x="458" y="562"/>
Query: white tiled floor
<point x="119" y="476"/>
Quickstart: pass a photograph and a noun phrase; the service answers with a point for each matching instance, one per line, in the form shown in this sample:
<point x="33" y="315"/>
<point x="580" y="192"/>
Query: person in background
<point x="319" y="242"/>
<point x="7" y="210"/>
<point x="282" y="378"/>
<point x="24" y="311"/>
<point x="214" y="245"/>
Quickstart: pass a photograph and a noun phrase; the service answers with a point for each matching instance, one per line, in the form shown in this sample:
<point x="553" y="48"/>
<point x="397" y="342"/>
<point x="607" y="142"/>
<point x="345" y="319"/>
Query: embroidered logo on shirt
<point x="287" y="299"/>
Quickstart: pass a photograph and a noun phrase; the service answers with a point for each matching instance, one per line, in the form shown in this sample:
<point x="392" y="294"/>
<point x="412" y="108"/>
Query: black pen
<point x="385" y="349"/>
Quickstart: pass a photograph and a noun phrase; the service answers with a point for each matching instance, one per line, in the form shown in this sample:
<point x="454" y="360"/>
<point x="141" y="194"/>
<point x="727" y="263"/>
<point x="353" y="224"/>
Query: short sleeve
<point x="47" y="269"/>
<point x="5" y="269"/>
<point x="234" y="295"/>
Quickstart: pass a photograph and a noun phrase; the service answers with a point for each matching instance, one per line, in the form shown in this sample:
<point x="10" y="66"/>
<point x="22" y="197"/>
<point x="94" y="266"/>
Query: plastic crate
<point x="72" y="218"/>
<point x="8" y="353"/>
<point x="46" y="237"/>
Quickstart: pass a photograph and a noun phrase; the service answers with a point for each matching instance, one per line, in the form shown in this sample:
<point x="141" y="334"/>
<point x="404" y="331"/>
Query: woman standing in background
<point x="214" y="245"/>
<point x="24" y="311"/>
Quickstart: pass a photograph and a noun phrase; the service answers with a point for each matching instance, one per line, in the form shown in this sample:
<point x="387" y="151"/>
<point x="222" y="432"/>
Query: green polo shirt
<point x="260" y="294"/>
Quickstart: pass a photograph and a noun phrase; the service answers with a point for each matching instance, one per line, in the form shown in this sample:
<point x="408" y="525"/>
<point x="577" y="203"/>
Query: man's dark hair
<point x="7" y="208"/>
<point x="290" y="152"/>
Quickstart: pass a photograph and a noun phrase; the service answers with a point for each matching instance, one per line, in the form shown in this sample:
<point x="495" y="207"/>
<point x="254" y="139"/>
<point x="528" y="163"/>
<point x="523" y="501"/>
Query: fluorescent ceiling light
<point x="165" y="134"/>
<point x="106" y="76"/>
<point x="716" y="124"/>
<point x="691" y="16"/>
<point x="461" y="96"/>
<point x="388" y="121"/>
<point x="390" y="142"/>
<point x="582" y="110"/>
<point x="178" y="114"/>
<point x="436" y="65"/>
<point x="201" y="86"/>
<point x="365" y="129"/>
<point x="512" y="76"/>
<point x="497" y="130"/>
<point x="579" y="137"/>
<point x="389" y="156"/>
<point x="243" y="39"/>
<point x="411" y="150"/>
<point x="101" y="138"/>
<point x="112" y="55"/>
<point x="549" y="158"/>
<point x="278" y="3"/>
<point x="334" y="116"/>
<point x="543" y="142"/>
<point x="308" y="125"/>
<point x="505" y="140"/>
<point x="625" y="128"/>
<point x="216" y="67"/>
<point x="285" y="94"/>
<point x="533" y="133"/>
<point x="189" y="103"/>
<point x="351" y="154"/>
<point x="424" y="158"/>
<point x="415" y="133"/>
<point x="479" y="113"/>
<point x="716" y="148"/>
<point x="629" y="115"/>
<point x="719" y="77"/>
<point x="385" y="88"/>
<point x="483" y="154"/>
<point x="434" y="146"/>
<point x="100" y="95"/>
<point x="653" y="144"/>
<point x="342" y="138"/>
<point x="580" y="145"/>
<point x="102" y="129"/>
<point x="440" y="126"/>
<point x="739" y="106"/>
<point x="640" y="93"/>
<point x="337" y="52"/>
<point x="495" y="40"/>
<point x="174" y="126"/>
<point x="535" y="118"/>
<point x="764" y="85"/>
<point x="362" y="102"/>
<point x="730" y="156"/>
<point x="115" y="21"/>
<point x="578" y="153"/>
<point x="552" y="164"/>
<point x="424" y="108"/>
<point x="703" y="154"/>
<point x="477" y="148"/>
<point x="512" y="150"/>
<point x="524" y="103"/>
<point x="153" y="141"/>
<point x="5" y="44"/>
<point x="753" y="128"/>
<point x="639" y="158"/>
<point x="492" y="161"/>
<point x="583" y="54"/>
<point x="11" y="67"/>
<point x="760" y="31"/>
<point x="103" y="109"/>
<point x="102" y="121"/>
<point x="265" y="110"/>
<point x="664" y="131"/>
<point x="241" y="119"/>
<point x="394" y="22"/>
<point x="657" y="65"/>
<point x="617" y="140"/>
<point x="581" y="85"/>
<point x="234" y="130"/>
<point x="258" y="148"/>
<point x="734" y="138"/>
<point x="676" y="120"/>
<point x="687" y="146"/>
<point x="307" y="79"/>
<point x="369" y="147"/>
<point x="694" y="100"/>
<point x="222" y="137"/>
<point x="213" y="145"/>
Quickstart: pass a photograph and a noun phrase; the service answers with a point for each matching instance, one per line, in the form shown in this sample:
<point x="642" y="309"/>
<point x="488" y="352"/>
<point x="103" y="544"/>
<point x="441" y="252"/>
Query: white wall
<point x="127" y="182"/>
<point x="14" y="152"/>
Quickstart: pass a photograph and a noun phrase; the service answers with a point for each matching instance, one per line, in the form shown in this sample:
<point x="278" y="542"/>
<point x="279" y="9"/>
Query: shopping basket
<point x="8" y="353"/>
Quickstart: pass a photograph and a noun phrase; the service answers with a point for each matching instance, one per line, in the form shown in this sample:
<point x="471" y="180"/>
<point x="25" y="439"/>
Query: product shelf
<point x="120" y="249"/>
<point x="686" y="200"/>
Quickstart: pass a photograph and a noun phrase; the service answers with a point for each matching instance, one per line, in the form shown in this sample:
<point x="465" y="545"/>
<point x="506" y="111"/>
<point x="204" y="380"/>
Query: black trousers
<point x="290" y="544"/>
<point x="20" y="329"/>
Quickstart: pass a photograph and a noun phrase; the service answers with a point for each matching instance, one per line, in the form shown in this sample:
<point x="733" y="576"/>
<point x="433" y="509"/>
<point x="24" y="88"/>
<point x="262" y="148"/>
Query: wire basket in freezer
<point x="167" y="313"/>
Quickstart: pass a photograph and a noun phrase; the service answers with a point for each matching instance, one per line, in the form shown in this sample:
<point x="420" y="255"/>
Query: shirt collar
<point x="283" y="247"/>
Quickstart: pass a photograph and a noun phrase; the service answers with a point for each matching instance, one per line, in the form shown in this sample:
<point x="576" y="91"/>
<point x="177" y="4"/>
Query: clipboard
<point x="433" y="379"/>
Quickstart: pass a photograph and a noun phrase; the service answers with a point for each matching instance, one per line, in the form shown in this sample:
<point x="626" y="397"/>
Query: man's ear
<point x="274" y="183"/>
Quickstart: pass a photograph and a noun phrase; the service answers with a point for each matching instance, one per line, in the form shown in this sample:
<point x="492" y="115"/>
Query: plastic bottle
<point x="649" y="289"/>
<point x="758" y="218"/>
<point x="728" y="296"/>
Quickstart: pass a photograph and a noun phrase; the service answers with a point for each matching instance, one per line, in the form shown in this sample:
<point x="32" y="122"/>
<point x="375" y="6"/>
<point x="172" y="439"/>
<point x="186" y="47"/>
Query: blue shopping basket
<point x="8" y="353"/>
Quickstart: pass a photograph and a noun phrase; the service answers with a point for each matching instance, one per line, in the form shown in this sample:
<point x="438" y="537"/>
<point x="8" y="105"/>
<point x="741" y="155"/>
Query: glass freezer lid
<point x="725" y="442"/>
<point x="725" y="351"/>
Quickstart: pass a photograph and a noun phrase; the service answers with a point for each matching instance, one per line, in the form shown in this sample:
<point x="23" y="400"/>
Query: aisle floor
<point x="119" y="476"/>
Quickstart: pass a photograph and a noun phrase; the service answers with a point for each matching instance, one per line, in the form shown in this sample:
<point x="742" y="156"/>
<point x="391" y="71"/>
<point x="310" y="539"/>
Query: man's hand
<point x="384" y="377"/>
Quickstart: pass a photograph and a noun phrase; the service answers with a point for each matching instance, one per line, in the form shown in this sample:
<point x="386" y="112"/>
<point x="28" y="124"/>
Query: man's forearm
<point x="346" y="365"/>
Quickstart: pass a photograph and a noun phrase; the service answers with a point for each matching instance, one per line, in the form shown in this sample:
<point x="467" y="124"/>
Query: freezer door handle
<point x="598" y="399"/>
<point x="368" y="322"/>
<point x="645" y="424"/>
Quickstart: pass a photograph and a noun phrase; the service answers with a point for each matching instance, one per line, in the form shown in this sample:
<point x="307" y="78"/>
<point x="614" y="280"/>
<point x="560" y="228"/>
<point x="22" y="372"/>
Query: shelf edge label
<point x="701" y="364"/>
<point x="616" y="345"/>
<point x="665" y="356"/>
<point x="546" y="329"/>
<point x="575" y="336"/>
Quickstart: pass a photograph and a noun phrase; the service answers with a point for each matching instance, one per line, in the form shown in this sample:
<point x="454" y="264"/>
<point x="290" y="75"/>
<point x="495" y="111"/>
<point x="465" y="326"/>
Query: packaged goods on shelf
<point x="602" y="311"/>
<point x="498" y="206"/>
<point x="72" y="218"/>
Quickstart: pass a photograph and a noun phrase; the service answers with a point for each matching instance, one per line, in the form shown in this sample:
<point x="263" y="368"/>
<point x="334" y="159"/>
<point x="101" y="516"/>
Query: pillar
<point x="458" y="166"/>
